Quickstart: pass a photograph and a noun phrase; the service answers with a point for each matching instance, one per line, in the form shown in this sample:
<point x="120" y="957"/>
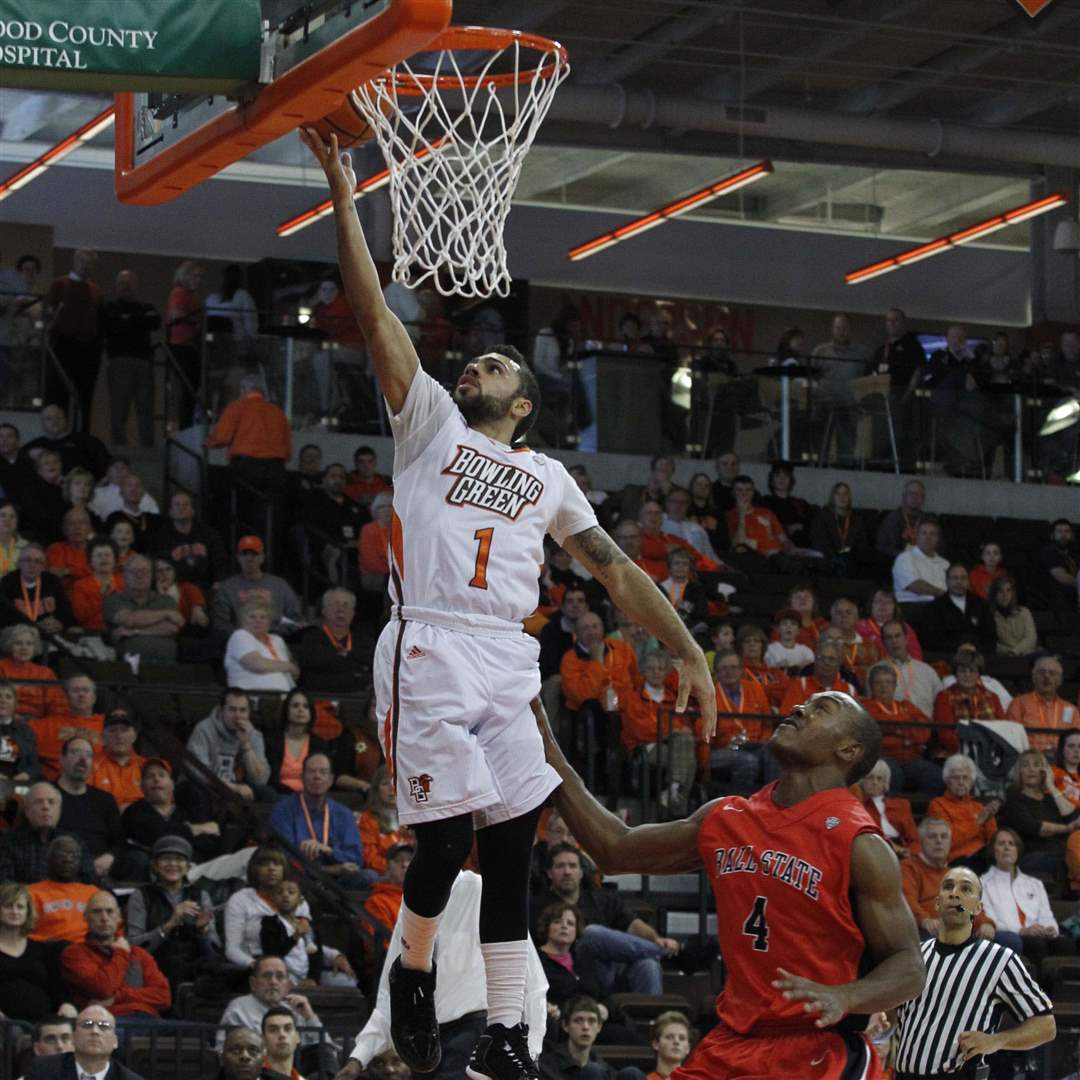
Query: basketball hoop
<point x="454" y="146"/>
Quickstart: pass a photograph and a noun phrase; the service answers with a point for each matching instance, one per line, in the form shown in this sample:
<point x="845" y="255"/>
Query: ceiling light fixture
<point x="364" y="187"/>
<point x="957" y="239"/>
<point x="672" y="210"/>
<point x="76" y="139"/>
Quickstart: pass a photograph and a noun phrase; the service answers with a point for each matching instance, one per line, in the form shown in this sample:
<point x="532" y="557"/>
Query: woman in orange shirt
<point x="378" y="822"/>
<point x="988" y="570"/>
<point x="966" y="699"/>
<point x="19" y="644"/>
<point x="291" y="744"/>
<point x="88" y="593"/>
<point x="973" y="824"/>
<point x="1067" y="769"/>
<point x="751" y="642"/>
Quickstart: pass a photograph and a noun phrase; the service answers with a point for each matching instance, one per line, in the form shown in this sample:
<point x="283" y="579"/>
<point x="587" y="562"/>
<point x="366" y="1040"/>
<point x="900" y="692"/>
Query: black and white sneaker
<point x="413" y="1026"/>
<point x="502" y="1053"/>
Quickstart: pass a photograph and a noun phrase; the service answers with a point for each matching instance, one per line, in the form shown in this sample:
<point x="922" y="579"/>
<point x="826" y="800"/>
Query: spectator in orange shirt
<point x="902" y="748"/>
<point x="19" y="644"/>
<point x="597" y="674"/>
<point x="628" y="536"/>
<point x="257" y="435"/>
<point x="378" y="822"/>
<point x="384" y="903"/>
<point x="826" y="676"/>
<point x="66" y="559"/>
<point x="988" y="569"/>
<point x="364" y="482"/>
<point x="105" y="966"/>
<point x="373" y="551"/>
<point x="921" y="879"/>
<point x="118" y="769"/>
<point x="88" y="593"/>
<point x="1043" y="707"/>
<point x="860" y="654"/>
<point x="61" y="898"/>
<point x="655" y="544"/>
<point x="972" y="824"/>
<point x="1067" y="769"/>
<point x="966" y="699"/>
<point x="647" y="710"/>
<point x="73" y="714"/>
<point x="754" y="530"/>
<point x="751" y="643"/>
<point x="737" y="752"/>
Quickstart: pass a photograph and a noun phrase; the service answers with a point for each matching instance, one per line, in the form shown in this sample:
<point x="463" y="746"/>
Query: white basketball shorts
<point x="458" y="731"/>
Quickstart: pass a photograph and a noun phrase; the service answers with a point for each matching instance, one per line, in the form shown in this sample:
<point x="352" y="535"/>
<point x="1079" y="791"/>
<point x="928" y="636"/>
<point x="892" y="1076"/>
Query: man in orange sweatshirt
<point x="384" y="903"/>
<point x="108" y="970"/>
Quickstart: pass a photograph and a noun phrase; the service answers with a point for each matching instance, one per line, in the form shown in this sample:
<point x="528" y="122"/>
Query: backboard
<point x="166" y="144"/>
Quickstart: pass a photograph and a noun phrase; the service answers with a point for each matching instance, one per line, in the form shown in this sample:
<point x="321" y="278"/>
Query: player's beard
<point x="481" y="408"/>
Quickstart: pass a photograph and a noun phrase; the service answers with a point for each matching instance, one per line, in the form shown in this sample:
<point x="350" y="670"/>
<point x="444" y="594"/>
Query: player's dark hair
<point x="562" y="849"/>
<point x="868" y="735"/>
<point x="277" y="1010"/>
<point x="528" y="388"/>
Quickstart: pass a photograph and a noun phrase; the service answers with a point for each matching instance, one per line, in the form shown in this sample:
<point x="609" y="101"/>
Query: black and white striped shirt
<point x="967" y="988"/>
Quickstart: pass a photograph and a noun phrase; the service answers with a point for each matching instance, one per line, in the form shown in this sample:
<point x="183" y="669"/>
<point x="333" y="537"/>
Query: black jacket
<point x="947" y="627"/>
<point x="63" y="1067"/>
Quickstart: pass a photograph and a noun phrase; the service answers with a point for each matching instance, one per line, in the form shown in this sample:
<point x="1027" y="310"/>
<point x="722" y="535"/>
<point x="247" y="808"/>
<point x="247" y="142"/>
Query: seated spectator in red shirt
<point x="628" y="536"/>
<point x="884" y="609"/>
<point x="19" y="644"/>
<point x="60" y="898"/>
<point x="966" y="699"/>
<point x="737" y="751"/>
<point x="902" y="748"/>
<point x="989" y="568"/>
<point x="893" y="815"/>
<point x="860" y="654"/>
<point x="750" y="642"/>
<point x="651" y="725"/>
<point x="364" y="482"/>
<point x="66" y="559"/>
<point x="754" y="529"/>
<point x="117" y="768"/>
<point x="383" y="905"/>
<point x="826" y="676"/>
<point x="190" y="599"/>
<point x="655" y="543"/>
<point x="88" y="593"/>
<point x="378" y="822"/>
<point x="71" y="713"/>
<point x="1044" y="707"/>
<point x="106" y="966"/>
<point x="972" y="823"/>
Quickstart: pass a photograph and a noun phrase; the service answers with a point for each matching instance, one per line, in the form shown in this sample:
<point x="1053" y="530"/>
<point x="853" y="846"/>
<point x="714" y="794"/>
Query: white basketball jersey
<point x="470" y="515"/>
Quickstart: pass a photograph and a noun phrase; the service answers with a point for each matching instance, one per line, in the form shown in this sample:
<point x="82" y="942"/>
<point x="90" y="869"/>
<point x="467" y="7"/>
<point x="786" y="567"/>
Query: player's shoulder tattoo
<point x="599" y="548"/>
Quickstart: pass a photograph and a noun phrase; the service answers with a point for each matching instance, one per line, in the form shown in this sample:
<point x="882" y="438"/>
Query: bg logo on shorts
<point x="419" y="786"/>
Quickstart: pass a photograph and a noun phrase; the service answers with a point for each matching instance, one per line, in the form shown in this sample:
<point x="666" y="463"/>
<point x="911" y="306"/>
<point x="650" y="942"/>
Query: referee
<point x="949" y="1029"/>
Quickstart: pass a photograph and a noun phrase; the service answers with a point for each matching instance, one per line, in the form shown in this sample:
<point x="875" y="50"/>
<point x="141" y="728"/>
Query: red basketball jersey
<point x="781" y="877"/>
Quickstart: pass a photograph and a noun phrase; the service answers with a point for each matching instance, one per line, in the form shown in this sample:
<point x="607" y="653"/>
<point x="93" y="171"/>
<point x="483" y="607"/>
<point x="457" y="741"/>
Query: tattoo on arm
<point x="596" y="548"/>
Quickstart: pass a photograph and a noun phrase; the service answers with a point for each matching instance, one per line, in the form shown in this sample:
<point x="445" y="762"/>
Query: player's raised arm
<point x="391" y="348"/>
<point x="891" y="938"/>
<point x="633" y="591"/>
<point x="668" y="848"/>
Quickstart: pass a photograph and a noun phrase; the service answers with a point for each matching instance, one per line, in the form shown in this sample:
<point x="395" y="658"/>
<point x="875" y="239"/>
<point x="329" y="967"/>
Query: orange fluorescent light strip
<point x="364" y="187"/>
<point x="76" y="139"/>
<point x="956" y="239"/>
<point x="672" y="210"/>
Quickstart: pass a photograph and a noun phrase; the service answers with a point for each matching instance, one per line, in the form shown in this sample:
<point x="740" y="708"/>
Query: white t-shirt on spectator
<point x="912" y="565"/>
<point x="779" y="655"/>
<point x="243" y="642"/>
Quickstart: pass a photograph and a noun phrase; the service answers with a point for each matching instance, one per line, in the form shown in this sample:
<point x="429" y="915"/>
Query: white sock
<point x="505" y="964"/>
<point x="417" y="939"/>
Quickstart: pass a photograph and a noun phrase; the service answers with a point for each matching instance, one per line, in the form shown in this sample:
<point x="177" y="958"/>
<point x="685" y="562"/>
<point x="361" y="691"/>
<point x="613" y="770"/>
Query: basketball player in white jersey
<point x="454" y="671"/>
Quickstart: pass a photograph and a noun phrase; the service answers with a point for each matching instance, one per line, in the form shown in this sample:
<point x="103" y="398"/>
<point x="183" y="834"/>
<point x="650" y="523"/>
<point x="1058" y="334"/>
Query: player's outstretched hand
<point x="694" y="678"/>
<point x="336" y="165"/>
<point x="830" y="1002"/>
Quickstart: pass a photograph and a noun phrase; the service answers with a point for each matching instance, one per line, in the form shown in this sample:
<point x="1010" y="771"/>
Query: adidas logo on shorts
<point x="415" y="653"/>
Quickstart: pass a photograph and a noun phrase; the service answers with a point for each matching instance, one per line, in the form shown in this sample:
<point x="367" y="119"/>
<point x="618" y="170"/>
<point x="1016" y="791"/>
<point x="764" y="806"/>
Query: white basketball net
<point x="455" y="153"/>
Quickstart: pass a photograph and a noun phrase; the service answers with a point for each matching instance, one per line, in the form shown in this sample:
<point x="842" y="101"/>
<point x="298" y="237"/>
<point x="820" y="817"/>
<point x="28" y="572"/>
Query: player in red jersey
<point x="805" y="885"/>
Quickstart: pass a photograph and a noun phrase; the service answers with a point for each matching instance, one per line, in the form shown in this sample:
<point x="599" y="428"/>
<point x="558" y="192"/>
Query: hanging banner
<point x="179" y="46"/>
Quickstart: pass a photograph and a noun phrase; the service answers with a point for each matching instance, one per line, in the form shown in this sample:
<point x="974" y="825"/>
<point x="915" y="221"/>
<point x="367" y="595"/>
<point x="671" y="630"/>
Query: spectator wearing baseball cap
<point x="170" y="919"/>
<point x="254" y="583"/>
<point x="117" y="768"/>
<point x="156" y="815"/>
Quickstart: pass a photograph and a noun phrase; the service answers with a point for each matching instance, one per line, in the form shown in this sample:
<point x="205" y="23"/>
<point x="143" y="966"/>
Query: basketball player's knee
<point x="443" y="846"/>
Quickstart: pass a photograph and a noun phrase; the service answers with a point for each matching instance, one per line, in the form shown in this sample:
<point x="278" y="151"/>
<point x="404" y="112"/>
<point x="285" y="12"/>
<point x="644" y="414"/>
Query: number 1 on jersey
<point x="756" y="926"/>
<point x="483" y="550"/>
